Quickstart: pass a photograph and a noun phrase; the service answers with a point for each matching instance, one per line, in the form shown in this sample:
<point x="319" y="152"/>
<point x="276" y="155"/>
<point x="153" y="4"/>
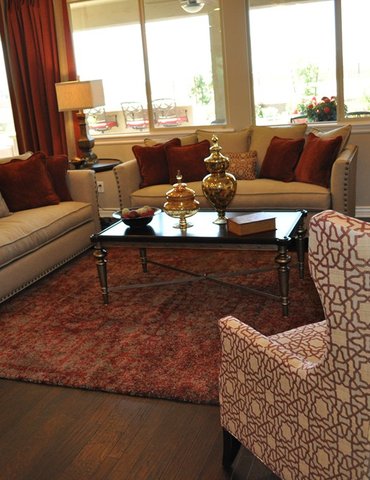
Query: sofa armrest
<point x="83" y="188"/>
<point x="128" y="180"/>
<point x="343" y="181"/>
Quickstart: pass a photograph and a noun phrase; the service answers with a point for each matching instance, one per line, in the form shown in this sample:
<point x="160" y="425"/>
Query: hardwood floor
<point x="56" y="433"/>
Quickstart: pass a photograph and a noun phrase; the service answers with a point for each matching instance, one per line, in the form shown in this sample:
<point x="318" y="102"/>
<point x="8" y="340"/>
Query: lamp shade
<point x="79" y="95"/>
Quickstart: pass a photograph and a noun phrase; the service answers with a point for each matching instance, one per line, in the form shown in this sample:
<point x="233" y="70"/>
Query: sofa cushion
<point x="229" y="141"/>
<point x="317" y="160"/>
<point x="4" y="210"/>
<point x="23" y="156"/>
<point x="281" y="159"/>
<point x="344" y="131"/>
<point x="242" y="164"/>
<point x="189" y="160"/>
<point x="186" y="140"/>
<point x="262" y="136"/>
<point x="26" y="184"/>
<point x="261" y="193"/>
<point x="152" y="163"/>
<point x="28" y="230"/>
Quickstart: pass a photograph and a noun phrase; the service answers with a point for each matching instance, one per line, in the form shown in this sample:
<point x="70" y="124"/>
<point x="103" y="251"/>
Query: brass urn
<point x="219" y="186"/>
<point x="181" y="203"/>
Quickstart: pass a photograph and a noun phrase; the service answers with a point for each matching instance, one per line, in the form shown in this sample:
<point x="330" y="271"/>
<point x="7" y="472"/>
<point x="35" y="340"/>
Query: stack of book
<point x="251" y="223"/>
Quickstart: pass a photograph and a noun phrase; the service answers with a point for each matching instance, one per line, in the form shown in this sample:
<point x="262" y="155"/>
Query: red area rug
<point x="158" y="342"/>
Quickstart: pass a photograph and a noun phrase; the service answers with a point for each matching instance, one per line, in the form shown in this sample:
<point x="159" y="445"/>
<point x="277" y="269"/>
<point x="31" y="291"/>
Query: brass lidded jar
<point x="219" y="186"/>
<point x="181" y="203"/>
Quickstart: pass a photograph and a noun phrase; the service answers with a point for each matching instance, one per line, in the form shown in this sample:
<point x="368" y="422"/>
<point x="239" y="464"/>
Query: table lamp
<point x="77" y="96"/>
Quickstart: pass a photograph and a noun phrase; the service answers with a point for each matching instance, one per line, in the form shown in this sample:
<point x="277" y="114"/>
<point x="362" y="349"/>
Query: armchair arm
<point x="343" y="181"/>
<point x="128" y="180"/>
<point x="82" y="186"/>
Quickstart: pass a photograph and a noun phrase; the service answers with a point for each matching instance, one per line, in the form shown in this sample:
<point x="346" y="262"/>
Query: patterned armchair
<point x="300" y="400"/>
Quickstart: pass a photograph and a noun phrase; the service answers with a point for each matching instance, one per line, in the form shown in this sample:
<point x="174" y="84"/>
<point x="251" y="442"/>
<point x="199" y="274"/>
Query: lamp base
<point x="86" y="142"/>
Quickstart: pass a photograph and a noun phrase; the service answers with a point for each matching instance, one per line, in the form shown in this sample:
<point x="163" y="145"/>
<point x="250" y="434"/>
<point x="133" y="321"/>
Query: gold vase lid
<point x="181" y="199"/>
<point x="216" y="162"/>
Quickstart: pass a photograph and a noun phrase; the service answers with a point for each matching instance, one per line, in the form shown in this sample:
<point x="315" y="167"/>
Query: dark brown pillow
<point x="26" y="184"/>
<point x="189" y="159"/>
<point x="317" y="160"/>
<point x="152" y="163"/>
<point x="57" y="166"/>
<point x="281" y="158"/>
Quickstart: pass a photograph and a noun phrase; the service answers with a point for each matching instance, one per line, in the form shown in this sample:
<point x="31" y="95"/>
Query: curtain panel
<point x="29" y="41"/>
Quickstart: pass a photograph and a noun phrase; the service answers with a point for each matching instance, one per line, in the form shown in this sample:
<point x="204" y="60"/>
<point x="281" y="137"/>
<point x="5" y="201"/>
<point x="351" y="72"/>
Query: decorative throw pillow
<point x="344" y="131"/>
<point x="189" y="159"/>
<point x="242" y="165"/>
<point x="152" y="163"/>
<point x="281" y="159"/>
<point x="26" y="184"/>
<point x="229" y="141"/>
<point x="317" y="159"/>
<point x="57" y="167"/>
<point x="262" y="136"/>
<point x="4" y="210"/>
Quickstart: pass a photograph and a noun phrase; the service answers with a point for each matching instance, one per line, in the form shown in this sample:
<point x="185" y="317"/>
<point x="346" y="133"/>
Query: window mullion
<point x="339" y="60"/>
<point x="146" y="65"/>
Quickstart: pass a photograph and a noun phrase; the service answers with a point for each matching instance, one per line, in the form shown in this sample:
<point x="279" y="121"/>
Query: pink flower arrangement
<point x="324" y="110"/>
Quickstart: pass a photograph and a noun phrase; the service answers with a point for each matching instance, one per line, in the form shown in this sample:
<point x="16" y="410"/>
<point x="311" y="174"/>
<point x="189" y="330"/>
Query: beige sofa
<point x="36" y="241"/>
<point x="260" y="193"/>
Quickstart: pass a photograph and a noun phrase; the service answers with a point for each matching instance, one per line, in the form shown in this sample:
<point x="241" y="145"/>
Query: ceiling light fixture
<point x="191" y="6"/>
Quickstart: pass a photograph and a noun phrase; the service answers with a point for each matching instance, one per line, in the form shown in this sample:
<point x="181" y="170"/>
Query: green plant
<point x="310" y="75"/>
<point x="201" y="90"/>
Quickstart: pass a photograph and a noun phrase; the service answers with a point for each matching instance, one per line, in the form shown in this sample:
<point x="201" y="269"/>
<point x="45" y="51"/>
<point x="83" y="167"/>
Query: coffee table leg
<point x="300" y="247"/>
<point x="144" y="259"/>
<point x="101" y="263"/>
<point x="283" y="260"/>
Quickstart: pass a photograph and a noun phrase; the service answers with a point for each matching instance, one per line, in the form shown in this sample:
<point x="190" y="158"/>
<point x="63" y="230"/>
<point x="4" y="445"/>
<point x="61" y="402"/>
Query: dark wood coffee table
<point x="160" y="233"/>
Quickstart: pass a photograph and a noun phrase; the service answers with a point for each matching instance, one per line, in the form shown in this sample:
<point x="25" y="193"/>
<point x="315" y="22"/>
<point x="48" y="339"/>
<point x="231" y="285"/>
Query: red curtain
<point x="29" y="41"/>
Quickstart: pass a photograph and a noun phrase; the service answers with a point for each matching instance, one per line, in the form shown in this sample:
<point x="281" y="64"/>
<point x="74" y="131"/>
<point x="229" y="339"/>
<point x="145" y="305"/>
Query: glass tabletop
<point x="161" y="229"/>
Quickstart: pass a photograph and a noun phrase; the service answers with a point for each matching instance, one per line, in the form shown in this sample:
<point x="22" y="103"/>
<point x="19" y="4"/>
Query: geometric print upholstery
<point x="300" y="400"/>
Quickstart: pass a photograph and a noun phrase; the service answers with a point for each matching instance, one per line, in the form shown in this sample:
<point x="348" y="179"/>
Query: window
<point x="8" y="144"/>
<point x="161" y="66"/>
<point x="294" y="55"/>
<point x="356" y="60"/>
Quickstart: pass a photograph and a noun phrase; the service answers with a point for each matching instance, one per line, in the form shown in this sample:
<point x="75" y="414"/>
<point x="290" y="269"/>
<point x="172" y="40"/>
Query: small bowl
<point x="137" y="222"/>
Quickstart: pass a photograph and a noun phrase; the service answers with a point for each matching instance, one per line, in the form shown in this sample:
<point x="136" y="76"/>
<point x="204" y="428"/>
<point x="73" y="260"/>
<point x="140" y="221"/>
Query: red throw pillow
<point x="189" y="159"/>
<point x="152" y="163"/>
<point x="317" y="160"/>
<point x="26" y="184"/>
<point x="281" y="159"/>
<point x="57" y="167"/>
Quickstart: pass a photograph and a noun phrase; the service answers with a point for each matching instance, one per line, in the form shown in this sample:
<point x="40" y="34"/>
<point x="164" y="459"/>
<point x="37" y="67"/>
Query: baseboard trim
<point x="363" y="212"/>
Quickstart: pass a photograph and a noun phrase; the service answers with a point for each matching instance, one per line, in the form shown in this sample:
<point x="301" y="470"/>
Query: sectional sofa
<point x="54" y="228"/>
<point x="274" y="183"/>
